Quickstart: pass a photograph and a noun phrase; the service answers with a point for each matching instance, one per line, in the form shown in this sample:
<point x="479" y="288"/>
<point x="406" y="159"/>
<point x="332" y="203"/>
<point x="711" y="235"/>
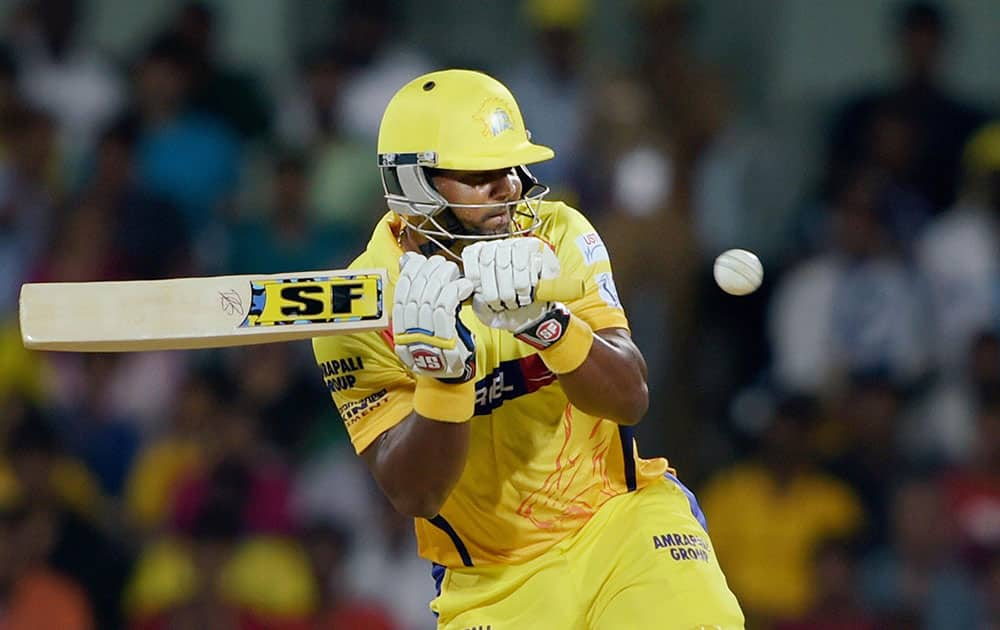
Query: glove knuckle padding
<point x="521" y="263"/>
<point x="411" y="315"/>
<point x="504" y="270"/>
<point x="425" y="318"/>
<point x="487" y="276"/>
<point x="443" y="323"/>
<point x="410" y="258"/>
<point x="470" y="261"/>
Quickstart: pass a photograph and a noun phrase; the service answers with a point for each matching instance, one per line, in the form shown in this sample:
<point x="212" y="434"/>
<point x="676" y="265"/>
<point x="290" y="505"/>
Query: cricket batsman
<point x="502" y="423"/>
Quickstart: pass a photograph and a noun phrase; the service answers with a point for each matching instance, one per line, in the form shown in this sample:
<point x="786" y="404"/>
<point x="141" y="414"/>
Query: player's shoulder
<point x="571" y="233"/>
<point x="559" y="218"/>
<point x="382" y="249"/>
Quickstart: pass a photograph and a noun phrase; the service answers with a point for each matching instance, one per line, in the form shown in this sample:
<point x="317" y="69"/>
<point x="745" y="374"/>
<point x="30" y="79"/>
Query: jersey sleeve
<point x="582" y="254"/>
<point x="369" y="385"/>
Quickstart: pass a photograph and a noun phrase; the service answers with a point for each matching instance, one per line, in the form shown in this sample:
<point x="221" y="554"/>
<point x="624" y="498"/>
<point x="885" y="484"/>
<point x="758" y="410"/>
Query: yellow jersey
<point x="538" y="468"/>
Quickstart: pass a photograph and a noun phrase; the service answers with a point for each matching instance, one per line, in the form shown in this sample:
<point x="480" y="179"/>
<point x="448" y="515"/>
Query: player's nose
<point x="505" y="187"/>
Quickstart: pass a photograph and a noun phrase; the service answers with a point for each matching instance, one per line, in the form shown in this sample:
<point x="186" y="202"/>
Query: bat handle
<point x="560" y="289"/>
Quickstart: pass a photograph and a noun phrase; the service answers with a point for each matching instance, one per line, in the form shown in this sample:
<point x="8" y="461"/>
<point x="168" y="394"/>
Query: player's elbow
<point x="635" y="403"/>
<point x="419" y="504"/>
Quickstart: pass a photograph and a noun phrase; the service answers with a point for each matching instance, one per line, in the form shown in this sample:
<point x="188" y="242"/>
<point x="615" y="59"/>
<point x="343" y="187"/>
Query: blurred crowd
<point x="841" y="425"/>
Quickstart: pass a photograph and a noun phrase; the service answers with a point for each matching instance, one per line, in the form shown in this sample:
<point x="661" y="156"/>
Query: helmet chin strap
<point x="452" y="225"/>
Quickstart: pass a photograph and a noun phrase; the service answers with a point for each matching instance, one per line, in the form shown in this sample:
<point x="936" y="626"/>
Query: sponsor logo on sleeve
<point x="337" y="373"/>
<point x="684" y="546"/>
<point x="353" y="411"/>
<point x="592" y="248"/>
<point x="607" y="290"/>
<point x="341" y="375"/>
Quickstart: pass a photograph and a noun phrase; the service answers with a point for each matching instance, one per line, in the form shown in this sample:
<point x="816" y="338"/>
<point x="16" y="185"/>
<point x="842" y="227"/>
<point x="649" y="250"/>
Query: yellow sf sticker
<point x="315" y="300"/>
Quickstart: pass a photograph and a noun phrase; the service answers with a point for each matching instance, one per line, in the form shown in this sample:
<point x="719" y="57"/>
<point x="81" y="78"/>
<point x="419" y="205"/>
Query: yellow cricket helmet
<point x="453" y="120"/>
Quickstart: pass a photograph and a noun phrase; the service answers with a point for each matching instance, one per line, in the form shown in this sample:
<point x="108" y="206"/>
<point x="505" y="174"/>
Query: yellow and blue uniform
<point x="546" y="486"/>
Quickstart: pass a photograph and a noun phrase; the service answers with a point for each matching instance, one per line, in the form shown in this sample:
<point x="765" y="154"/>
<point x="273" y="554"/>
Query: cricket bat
<point x="214" y="312"/>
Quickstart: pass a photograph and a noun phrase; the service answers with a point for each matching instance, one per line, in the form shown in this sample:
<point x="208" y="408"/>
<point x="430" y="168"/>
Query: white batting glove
<point x="505" y="273"/>
<point x="429" y="337"/>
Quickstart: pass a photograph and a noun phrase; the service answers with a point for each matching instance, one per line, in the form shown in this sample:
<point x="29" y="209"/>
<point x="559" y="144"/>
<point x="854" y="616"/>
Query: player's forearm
<point x="611" y="382"/>
<point x="418" y="462"/>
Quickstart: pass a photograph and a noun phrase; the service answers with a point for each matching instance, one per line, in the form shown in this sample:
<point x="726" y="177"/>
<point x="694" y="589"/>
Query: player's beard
<point x="498" y="224"/>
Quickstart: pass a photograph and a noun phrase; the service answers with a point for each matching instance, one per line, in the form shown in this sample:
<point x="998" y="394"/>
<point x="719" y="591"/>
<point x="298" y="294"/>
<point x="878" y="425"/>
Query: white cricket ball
<point x="738" y="272"/>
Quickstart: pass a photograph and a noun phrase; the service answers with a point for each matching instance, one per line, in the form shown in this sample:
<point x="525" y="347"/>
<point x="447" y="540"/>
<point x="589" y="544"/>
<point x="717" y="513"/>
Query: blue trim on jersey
<point x="437" y="572"/>
<point x="439" y="522"/>
<point x="696" y="510"/>
<point x="625" y="434"/>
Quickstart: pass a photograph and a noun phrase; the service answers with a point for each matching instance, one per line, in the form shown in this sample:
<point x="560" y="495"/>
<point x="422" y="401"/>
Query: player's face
<point x="479" y="187"/>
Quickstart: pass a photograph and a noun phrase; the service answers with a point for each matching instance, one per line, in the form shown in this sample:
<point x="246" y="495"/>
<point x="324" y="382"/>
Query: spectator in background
<point x="854" y="307"/>
<point x="242" y="469"/>
<point x="9" y="98"/>
<point x="307" y="114"/>
<point x="214" y="577"/>
<point x="103" y="440"/>
<point x="81" y="247"/>
<point x="864" y="435"/>
<point x="550" y="88"/>
<point x="941" y="426"/>
<point x="188" y="158"/>
<point x="62" y="75"/>
<point x="149" y="233"/>
<point x="27" y="197"/>
<point x="972" y="492"/>
<point x="378" y="61"/>
<point x="35" y="466"/>
<point x="342" y="189"/>
<point x="176" y="453"/>
<point x="64" y="497"/>
<point x="915" y="577"/>
<point x="285" y="237"/>
<point x="942" y="120"/>
<point x="327" y="546"/>
<point x="34" y="596"/>
<point x="767" y="516"/>
<point x="837" y="604"/>
<point x="232" y="96"/>
<point x="959" y="255"/>
<point x="892" y="152"/>
<point x="285" y="395"/>
<point x="989" y="618"/>
<point x="21" y="370"/>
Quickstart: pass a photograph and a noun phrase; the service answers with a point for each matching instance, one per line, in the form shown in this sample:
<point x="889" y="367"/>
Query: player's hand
<point x="429" y="337"/>
<point x="506" y="273"/>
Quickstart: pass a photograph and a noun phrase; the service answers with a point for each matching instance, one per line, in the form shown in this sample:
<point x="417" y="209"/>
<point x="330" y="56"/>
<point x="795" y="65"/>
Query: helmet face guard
<point x="455" y="120"/>
<point x="411" y="195"/>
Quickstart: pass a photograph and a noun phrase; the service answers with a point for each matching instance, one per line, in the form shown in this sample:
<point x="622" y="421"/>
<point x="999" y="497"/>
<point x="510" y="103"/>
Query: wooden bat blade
<point x="191" y="313"/>
<point x="214" y="312"/>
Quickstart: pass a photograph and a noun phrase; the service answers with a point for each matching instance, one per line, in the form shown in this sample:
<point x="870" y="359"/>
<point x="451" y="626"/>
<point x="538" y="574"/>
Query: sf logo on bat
<point x="288" y="301"/>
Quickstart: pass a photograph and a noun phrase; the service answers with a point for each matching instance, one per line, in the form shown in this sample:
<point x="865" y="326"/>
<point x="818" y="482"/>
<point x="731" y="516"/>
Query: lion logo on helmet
<point x="495" y="117"/>
<point x="500" y="122"/>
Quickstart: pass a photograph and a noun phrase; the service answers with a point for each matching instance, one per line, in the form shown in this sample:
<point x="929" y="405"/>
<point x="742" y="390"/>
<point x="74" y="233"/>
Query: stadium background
<point x="841" y="425"/>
